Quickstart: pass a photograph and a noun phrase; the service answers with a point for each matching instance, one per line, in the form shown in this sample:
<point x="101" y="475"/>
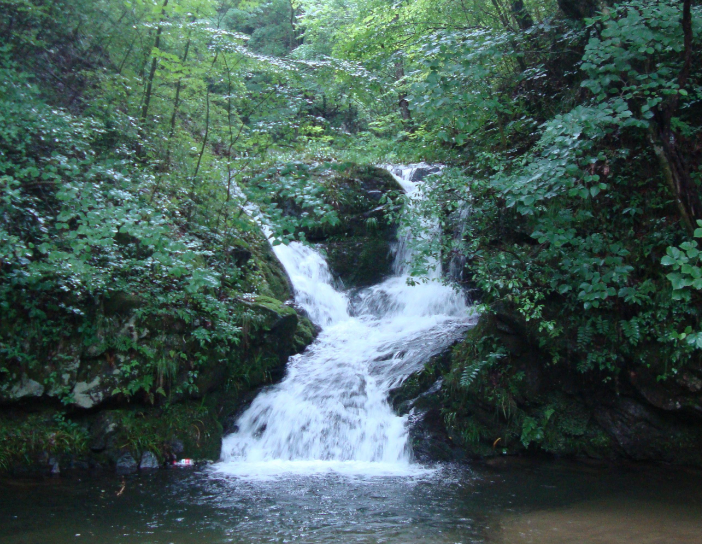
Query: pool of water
<point x="511" y="502"/>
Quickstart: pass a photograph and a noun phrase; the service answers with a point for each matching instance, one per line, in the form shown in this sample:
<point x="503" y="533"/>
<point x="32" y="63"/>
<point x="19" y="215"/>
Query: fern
<point x="471" y="372"/>
<point x="584" y="337"/>
<point x="631" y="330"/>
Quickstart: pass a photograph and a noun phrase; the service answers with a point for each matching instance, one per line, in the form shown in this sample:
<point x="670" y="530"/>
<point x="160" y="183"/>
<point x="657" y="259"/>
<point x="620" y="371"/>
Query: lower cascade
<point x="331" y="413"/>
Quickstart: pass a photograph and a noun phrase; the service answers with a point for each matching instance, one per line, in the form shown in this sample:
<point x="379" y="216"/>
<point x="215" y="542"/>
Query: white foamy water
<point x="330" y="413"/>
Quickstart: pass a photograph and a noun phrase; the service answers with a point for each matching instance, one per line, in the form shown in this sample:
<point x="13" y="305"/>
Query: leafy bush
<point x="569" y="223"/>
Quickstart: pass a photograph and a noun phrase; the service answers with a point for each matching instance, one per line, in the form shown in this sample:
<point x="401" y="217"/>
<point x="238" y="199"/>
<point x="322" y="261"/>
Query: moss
<point x="274" y="306"/>
<point x="183" y="430"/>
<point x="27" y="439"/>
<point x="360" y="261"/>
<point x="189" y="430"/>
<point x="203" y="385"/>
<point x="275" y="281"/>
<point x="305" y="334"/>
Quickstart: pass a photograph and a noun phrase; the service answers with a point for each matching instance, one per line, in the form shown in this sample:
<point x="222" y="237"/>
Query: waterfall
<point x="330" y="412"/>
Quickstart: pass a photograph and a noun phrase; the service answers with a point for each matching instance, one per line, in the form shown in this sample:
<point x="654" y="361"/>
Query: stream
<point x="513" y="502"/>
<point x="321" y="456"/>
<point x="331" y="413"/>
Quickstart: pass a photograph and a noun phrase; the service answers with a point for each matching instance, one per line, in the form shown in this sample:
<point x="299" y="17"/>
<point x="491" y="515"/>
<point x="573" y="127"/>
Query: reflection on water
<point x="540" y="503"/>
<point x="622" y="521"/>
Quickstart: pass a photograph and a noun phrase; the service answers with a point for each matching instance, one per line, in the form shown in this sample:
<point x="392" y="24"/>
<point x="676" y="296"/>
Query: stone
<point x="148" y="461"/>
<point x="54" y="464"/>
<point x="86" y="395"/>
<point x="126" y="464"/>
<point x="25" y="388"/>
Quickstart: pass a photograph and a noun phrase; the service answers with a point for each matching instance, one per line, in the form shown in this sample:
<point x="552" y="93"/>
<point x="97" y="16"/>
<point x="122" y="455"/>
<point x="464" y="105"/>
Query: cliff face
<point x="126" y="386"/>
<point x="358" y="246"/>
<point x="470" y="403"/>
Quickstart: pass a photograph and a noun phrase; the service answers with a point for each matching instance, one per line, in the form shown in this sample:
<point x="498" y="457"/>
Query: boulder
<point x="23" y="389"/>
<point x="148" y="461"/>
<point x="87" y="395"/>
<point x="126" y="464"/>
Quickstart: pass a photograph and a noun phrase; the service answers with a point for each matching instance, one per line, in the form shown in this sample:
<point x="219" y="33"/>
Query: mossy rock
<point x="359" y="248"/>
<point x="360" y="262"/>
<point x="523" y="403"/>
<point x="356" y="193"/>
<point x="262" y="272"/>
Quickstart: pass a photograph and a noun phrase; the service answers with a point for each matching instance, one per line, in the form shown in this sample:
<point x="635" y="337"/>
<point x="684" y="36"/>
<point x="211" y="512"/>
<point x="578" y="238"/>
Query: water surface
<point x="539" y="503"/>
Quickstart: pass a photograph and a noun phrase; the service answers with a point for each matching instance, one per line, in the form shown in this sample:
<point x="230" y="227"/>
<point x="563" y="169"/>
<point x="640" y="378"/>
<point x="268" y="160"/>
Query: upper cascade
<point x="331" y="413"/>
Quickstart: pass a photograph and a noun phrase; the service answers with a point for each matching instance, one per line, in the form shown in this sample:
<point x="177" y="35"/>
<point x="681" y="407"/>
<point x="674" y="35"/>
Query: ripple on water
<point x="531" y="503"/>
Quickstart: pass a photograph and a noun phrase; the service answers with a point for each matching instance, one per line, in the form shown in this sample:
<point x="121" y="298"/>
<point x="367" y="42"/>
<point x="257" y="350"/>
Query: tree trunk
<point x="676" y="175"/>
<point x="402" y="102"/>
<point x="501" y="15"/>
<point x="521" y="15"/>
<point x="176" y="102"/>
<point x="154" y="65"/>
<point x="666" y="144"/>
<point x="191" y="196"/>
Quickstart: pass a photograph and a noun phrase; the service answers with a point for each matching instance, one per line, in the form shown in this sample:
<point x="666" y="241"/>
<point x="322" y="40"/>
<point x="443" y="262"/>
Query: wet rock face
<point x="636" y="429"/>
<point x="681" y="393"/>
<point x="520" y="403"/>
<point x="141" y="382"/>
<point x="359" y="248"/>
<point x="642" y="432"/>
<point x="421" y="398"/>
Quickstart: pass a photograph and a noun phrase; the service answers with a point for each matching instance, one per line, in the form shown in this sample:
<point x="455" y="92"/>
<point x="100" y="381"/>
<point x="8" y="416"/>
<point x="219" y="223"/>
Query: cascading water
<point x="331" y="413"/>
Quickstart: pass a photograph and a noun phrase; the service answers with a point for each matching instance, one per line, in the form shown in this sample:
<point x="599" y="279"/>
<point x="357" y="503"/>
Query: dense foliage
<point x="125" y="130"/>
<point x="133" y="136"/>
<point x="571" y="220"/>
<point x="572" y="200"/>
